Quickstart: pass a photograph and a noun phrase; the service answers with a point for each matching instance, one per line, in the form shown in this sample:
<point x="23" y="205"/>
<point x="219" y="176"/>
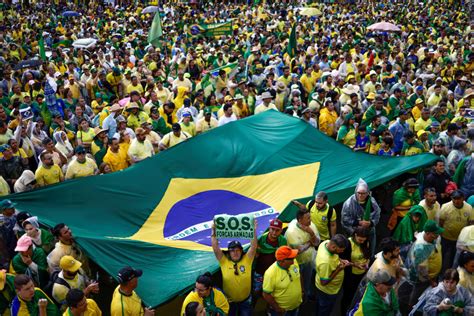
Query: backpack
<point x="330" y="210"/>
<point x="48" y="289"/>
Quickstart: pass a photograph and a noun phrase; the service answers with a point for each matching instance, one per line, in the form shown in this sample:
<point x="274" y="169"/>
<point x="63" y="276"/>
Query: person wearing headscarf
<point x="403" y="199"/>
<point x="41" y="237"/>
<point x="25" y="182"/>
<point x="411" y="224"/>
<point x="63" y="144"/>
<point x="361" y="209"/>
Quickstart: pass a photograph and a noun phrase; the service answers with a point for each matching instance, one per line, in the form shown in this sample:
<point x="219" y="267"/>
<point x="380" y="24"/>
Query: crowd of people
<point x="70" y="110"/>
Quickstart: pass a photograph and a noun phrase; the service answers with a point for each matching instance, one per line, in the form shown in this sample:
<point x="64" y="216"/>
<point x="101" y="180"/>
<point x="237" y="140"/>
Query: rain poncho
<point x="24" y="183"/>
<point x="353" y="211"/>
<point x="64" y="146"/>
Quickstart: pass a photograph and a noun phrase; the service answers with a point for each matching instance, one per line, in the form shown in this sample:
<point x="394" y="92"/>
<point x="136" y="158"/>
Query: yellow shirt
<point x="357" y="256"/>
<point x="116" y="161"/>
<point x="203" y="126"/>
<point x="86" y="137"/>
<point x="123" y="305"/>
<point x="320" y="220"/>
<point x="132" y="88"/>
<point x="49" y="176"/>
<point x="190" y="128"/>
<point x="297" y="237"/>
<point x="455" y="219"/>
<point x="284" y="285"/>
<point x="326" y="264"/>
<point x="466" y="279"/>
<point x="416" y="112"/>
<point x="432" y="213"/>
<point x="381" y="264"/>
<point x="435" y="261"/>
<point x="421" y="125"/>
<point x="236" y="287"/>
<point x="171" y="140"/>
<point x="308" y="83"/>
<point x="262" y="108"/>
<point x="92" y="309"/>
<point x="79" y="170"/>
<point x="220" y="301"/>
<point x="140" y="151"/>
<point x="60" y="291"/>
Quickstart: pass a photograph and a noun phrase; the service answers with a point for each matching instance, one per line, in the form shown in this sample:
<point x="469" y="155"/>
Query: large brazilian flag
<point x="157" y="215"/>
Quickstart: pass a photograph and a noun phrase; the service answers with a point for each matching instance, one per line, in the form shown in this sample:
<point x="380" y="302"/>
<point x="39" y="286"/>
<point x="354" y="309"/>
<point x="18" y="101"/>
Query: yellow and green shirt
<point x="284" y="285"/>
<point x="326" y="264"/>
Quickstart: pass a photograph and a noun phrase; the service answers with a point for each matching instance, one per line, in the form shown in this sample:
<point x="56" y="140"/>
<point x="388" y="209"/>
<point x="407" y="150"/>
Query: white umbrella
<point x="384" y="26"/>
<point x="84" y="43"/>
<point x="150" y="9"/>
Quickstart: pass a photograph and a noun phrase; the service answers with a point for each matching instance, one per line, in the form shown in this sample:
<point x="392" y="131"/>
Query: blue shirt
<point x="111" y="124"/>
<point x="398" y="130"/>
<point x="361" y="142"/>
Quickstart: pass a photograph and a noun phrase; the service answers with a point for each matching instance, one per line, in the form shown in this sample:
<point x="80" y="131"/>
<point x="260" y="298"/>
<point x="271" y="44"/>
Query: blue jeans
<point x="243" y="308"/>
<point x="287" y="313"/>
<point x="324" y="303"/>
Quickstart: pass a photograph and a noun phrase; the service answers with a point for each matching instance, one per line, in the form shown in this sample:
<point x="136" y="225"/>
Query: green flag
<point x="157" y="215"/>
<point x="155" y="31"/>
<point x="291" y="49"/>
<point x="42" y="52"/>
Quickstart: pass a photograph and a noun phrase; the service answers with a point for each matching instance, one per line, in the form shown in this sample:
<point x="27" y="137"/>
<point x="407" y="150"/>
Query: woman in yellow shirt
<point x="85" y="135"/>
<point x="359" y="255"/>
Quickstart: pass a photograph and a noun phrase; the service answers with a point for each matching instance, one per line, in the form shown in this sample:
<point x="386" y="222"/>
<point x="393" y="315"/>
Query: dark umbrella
<point x="70" y="13"/>
<point x="28" y="64"/>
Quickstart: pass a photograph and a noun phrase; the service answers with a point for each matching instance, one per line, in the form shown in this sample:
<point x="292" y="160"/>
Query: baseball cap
<point x="432" y="227"/>
<point x="79" y="150"/>
<point x="384" y="277"/>
<point x="68" y="263"/>
<point x="207" y="111"/>
<point x="438" y="142"/>
<point x="6" y="204"/>
<point x="419" y="88"/>
<point x="128" y="273"/>
<point x="234" y="244"/>
<point x="176" y="127"/>
<point x="186" y="114"/>
<point x="285" y="252"/>
<point x="276" y="223"/>
<point x="23" y="243"/>
<point x="435" y="124"/>
<point x="374" y="133"/>
<point x="403" y="112"/>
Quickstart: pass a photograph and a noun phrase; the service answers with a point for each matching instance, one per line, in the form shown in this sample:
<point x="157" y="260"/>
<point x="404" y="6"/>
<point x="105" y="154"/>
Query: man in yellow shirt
<point x="283" y="284"/>
<point x="323" y="216"/>
<point x="48" y="172"/>
<point x="453" y="217"/>
<point x="174" y="137"/>
<point x="125" y="302"/>
<point x="73" y="86"/>
<point x="430" y="204"/>
<point x="236" y="271"/>
<point x="82" y="166"/>
<point x="424" y="121"/>
<point x="266" y="104"/>
<point x="116" y="158"/>
<point x="207" y="123"/>
<point x="140" y="148"/>
<point x="329" y="273"/>
<point x="79" y="305"/>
